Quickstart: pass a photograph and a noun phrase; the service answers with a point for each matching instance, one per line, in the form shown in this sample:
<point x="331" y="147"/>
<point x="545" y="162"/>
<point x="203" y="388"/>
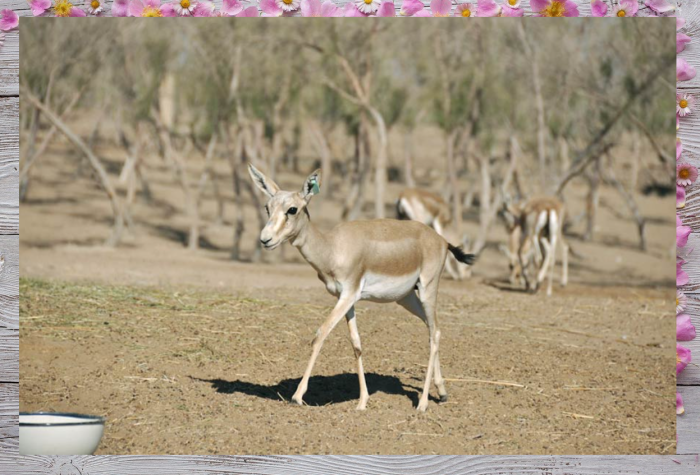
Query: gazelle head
<point x="286" y="210"/>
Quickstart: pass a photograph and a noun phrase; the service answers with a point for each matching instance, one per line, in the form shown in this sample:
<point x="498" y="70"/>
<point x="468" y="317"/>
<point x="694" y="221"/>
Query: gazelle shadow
<point x="322" y="390"/>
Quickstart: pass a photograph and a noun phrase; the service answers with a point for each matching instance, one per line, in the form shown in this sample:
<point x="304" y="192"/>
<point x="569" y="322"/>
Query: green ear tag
<point x="314" y="187"/>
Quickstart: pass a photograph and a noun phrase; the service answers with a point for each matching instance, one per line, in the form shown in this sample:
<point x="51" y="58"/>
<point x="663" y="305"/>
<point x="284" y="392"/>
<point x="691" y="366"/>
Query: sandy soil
<point x="192" y="353"/>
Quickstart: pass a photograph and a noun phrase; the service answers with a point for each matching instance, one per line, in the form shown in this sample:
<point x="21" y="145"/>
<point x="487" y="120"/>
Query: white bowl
<point x="45" y="433"/>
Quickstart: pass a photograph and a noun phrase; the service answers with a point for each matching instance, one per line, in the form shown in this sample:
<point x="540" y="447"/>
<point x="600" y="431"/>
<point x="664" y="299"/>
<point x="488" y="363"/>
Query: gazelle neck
<point x="313" y="246"/>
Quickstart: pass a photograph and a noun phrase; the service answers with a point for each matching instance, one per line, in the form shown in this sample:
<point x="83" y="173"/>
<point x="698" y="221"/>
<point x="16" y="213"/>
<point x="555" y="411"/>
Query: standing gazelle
<point x="534" y="230"/>
<point x="382" y="260"/>
<point x="431" y="210"/>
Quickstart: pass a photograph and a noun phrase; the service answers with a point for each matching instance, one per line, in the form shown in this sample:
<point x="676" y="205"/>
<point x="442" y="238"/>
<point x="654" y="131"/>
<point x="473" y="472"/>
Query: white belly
<point x="383" y="288"/>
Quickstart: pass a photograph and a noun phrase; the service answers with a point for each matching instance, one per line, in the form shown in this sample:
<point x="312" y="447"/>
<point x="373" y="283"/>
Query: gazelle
<point x="382" y="260"/>
<point x="534" y="230"/>
<point x="431" y="210"/>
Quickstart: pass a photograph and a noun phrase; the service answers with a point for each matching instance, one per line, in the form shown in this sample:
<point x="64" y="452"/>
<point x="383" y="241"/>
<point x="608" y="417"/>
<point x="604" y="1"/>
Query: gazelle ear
<point x="312" y="185"/>
<point x="266" y="185"/>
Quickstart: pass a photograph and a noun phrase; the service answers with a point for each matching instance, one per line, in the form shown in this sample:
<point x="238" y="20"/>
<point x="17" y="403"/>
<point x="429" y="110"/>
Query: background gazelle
<point x="535" y="230"/>
<point x="382" y="260"/>
<point x="431" y="210"/>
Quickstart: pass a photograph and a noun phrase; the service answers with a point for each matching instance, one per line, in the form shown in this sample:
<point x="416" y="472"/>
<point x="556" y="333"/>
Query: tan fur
<point x="430" y="209"/>
<point x="535" y="231"/>
<point x="383" y="260"/>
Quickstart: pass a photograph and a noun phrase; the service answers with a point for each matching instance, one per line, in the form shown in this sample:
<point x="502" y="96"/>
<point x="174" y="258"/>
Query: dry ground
<point x="192" y="353"/>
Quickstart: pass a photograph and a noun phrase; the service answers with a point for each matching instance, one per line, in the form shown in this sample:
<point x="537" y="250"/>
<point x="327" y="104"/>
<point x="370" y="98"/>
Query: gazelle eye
<point x="292" y="211"/>
<point x="267" y="210"/>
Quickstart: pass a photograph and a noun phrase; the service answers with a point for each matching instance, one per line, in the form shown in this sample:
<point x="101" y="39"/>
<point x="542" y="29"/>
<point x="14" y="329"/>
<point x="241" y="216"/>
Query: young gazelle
<point x="382" y="260"/>
<point x="534" y="230"/>
<point x="431" y="210"/>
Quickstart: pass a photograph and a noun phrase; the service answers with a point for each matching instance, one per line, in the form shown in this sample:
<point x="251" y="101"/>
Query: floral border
<point x="354" y="8"/>
<point x="686" y="174"/>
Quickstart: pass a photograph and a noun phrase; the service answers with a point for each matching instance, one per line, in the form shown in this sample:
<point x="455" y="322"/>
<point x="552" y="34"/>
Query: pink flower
<point x="681" y="302"/>
<point x="599" y="8"/>
<point x="685" y="330"/>
<point x="63" y="8"/>
<point x="270" y="8"/>
<point x="150" y="8"/>
<point x="682" y="233"/>
<point x="120" y="8"/>
<point x="423" y="13"/>
<point x="626" y="8"/>
<point x="682" y="358"/>
<point x="681" y="276"/>
<point x="352" y="11"/>
<point x="681" y="40"/>
<point x="465" y="10"/>
<point x="231" y="8"/>
<point x="410" y="7"/>
<point x="554" y="8"/>
<point x="487" y="8"/>
<point x="39" y="6"/>
<point x="659" y="6"/>
<point x="680" y="197"/>
<point x="684" y="71"/>
<point x="679" y="404"/>
<point x="684" y="104"/>
<point x="507" y="11"/>
<point x="248" y="12"/>
<point x="8" y="20"/>
<point x="314" y="8"/>
<point x="386" y="9"/>
<point x="203" y="9"/>
<point x="686" y="174"/>
<point x="441" y="8"/>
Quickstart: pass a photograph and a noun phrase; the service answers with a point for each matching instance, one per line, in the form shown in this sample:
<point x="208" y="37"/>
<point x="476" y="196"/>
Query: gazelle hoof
<point x="422" y="406"/>
<point x="297" y="400"/>
<point x="443" y="398"/>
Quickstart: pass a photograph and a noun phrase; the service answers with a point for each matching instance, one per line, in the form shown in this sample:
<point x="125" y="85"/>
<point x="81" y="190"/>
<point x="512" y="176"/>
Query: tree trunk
<point x="101" y="173"/>
<point x="454" y="182"/>
<point x="592" y="201"/>
<point x="408" y="160"/>
<point x="380" y="166"/>
<point x="193" y="241"/>
<point x="628" y="197"/>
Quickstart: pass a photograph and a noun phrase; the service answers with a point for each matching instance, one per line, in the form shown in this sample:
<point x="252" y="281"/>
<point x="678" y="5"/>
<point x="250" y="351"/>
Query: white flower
<point x="185" y="7"/>
<point x="94" y="7"/>
<point x="681" y="301"/>
<point x="684" y="104"/>
<point x="367" y="6"/>
<point x="288" y="5"/>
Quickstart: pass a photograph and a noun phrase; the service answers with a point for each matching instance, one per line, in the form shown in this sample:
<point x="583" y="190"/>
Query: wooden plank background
<point x="689" y="133"/>
<point x="11" y="463"/>
<point x="351" y="465"/>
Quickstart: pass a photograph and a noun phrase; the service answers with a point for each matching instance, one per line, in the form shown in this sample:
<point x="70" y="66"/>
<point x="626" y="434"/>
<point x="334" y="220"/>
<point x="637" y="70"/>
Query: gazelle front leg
<point x="345" y="303"/>
<point x="428" y="299"/>
<point x="357" y="347"/>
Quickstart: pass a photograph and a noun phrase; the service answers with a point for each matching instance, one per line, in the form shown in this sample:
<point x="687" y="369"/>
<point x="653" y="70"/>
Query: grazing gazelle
<point x="431" y="210"/>
<point x="534" y="230"/>
<point x="382" y="260"/>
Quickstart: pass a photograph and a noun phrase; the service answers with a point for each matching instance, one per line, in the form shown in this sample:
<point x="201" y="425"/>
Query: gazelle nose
<point x="264" y="242"/>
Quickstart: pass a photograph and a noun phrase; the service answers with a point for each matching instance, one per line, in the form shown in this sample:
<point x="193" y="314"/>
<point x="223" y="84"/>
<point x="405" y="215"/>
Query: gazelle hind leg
<point x="428" y="298"/>
<point x="413" y="304"/>
<point x="564" y="263"/>
<point x="345" y="303"/>
<point x="552" y="251"/>
<point x="357" y="347"/>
